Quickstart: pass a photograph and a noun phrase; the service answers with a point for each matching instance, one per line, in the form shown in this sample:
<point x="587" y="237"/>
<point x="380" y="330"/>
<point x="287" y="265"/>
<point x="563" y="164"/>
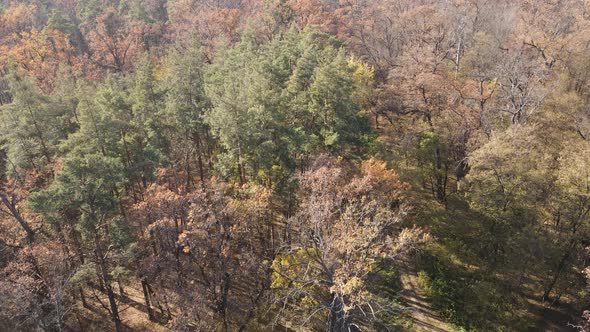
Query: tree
<point x="37" y="284"/>
<point x="111" y="42"/>
<point x="223" y="243"/>
<point x="123" y="124"/>
<point x="348" y="221"/>
<point x="86" y="185"/>
<point x="186" y="103"/>
<point x="433" y="157"/>
<point x="146" y="141"/>
<point x="33" y="125"/>
<point x="10" y="200"/>
<point x="274" y="106"/>
<point x="39" y="54"/>
<point x="211" y="22"/>
<point x="507" y="180"/>
<point x="205" y="250"/>
<point x="570" y="213"/>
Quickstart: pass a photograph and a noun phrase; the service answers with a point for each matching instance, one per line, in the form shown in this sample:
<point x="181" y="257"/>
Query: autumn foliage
<point x="259" y="165"/>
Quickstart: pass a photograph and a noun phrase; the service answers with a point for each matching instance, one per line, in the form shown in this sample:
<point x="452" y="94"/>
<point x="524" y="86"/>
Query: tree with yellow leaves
<point x="348" y="222"/>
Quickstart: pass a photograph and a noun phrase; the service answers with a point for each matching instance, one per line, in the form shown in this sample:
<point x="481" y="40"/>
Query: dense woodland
<point x="288" y="165"/>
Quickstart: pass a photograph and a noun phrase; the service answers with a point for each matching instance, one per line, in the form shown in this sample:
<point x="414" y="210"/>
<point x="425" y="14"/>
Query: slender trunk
<point x="189" y="178"/>
<point x="146" y="297"/>
<point x="100" y="258"/>
<point x="83" y="297"/>
<point x="201" y="171"/>
<point x="439" y="176"/>
<point x="40" y="135"/>
<point x="153" y="242"/>
<point x="553" y="281"/>
<point x="168" y="312"/>
<point x="240" y="167"/>
<point x="458" y="57"/>
<point x="290" y="203"/>
<point x="337" y="320"/>
<point x="179" y="278"/>
<point x="11" y="206"/>
<point x="80" y="324"/>
<point x="376" y="120"/>
<point x="78" y="245"/>
<point x="197" y="140"/>
<point x="121" y="289"/>
<point x="157" y="301"/>
<point x="209" y="149"/>
<point x="253" y="306"/>
<point x="271" y="228"/>
<point x="482" y="117"/>
<point x="222" y="304"/>
<point x="42" y="291"/>
<point x="66" y="248"/>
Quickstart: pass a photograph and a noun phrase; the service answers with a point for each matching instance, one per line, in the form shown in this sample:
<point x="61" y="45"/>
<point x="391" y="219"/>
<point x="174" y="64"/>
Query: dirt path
<point x="423" y="317"/>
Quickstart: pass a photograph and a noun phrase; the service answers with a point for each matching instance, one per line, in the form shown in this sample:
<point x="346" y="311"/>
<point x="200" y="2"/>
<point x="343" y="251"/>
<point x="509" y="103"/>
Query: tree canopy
<point x="303" y="165"/>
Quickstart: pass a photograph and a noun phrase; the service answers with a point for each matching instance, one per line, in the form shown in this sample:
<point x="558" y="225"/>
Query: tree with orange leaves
<point x="348" y="222"/>
<point x="40" y="54"/>
<point x="112" y="45"/>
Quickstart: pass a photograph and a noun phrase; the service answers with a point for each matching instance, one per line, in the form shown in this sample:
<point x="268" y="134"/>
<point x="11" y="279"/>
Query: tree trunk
<point x="168" y="312"/>
<point x="11" y="206"/>
<point x="83" y="298"/>
<point x="189" y="177"/>
<point x="77" y="245"/>
<point x="107" y="283"/>
<point x="222" y="301"/>
<point x="121" y="289"/>
<point x="44" y="149"/>
<point x="146" y="296"/>
<point x="209" y="149"/>
<point x="197" y="140"/>
<point x="440" y="176"/>
<point x="560" y="269"/>
<point x="337" y="322"/>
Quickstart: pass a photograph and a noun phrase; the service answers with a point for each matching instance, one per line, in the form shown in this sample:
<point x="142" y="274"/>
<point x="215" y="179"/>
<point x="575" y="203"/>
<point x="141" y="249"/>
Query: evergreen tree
<point x="32" y="126"/>
<point x="185" y="104"/>
<point x="239" y="116"/>
<point x="148" y="144"/>
<point x="86" y="186"/>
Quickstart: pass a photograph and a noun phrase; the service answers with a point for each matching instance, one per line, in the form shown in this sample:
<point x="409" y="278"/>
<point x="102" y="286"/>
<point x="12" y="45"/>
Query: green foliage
<point x="86" y="183"/>
<point x="121" y="273"/>
<point x="285" y="268"/>
<point x="84" y="274"/>
<point x="239" y="116"/>
<point x="32" y="126"/>
<point x="87" y="11"/>
<point x="460" y="277"/>
<point x="120" y="233"/>
<point x="472" y="302"/>
<point x="434" y="161"/>
<point x="276" y="104"/>
<point x="107" y="163"/>
<point x="121" y="120"/>
<point x="185" y="99"/>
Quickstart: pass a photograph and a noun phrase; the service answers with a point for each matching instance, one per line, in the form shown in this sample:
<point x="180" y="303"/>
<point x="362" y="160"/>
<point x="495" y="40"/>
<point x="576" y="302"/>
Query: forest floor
<point x="554" y="320"/>
<point x="132" y="311"/>
<point x="423" y="317"/>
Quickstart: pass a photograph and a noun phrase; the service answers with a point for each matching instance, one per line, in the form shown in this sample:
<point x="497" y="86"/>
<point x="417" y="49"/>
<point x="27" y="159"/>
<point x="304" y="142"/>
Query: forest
<point x="294" y="165"/>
